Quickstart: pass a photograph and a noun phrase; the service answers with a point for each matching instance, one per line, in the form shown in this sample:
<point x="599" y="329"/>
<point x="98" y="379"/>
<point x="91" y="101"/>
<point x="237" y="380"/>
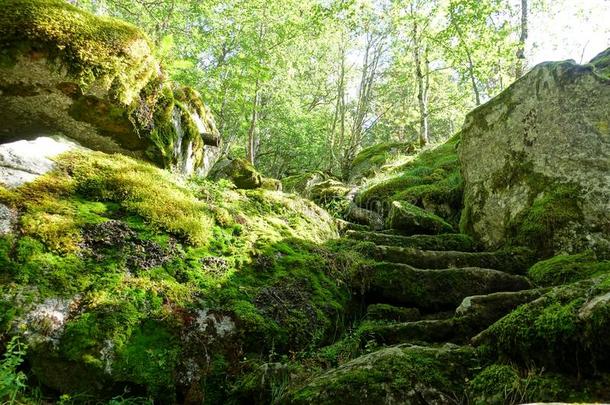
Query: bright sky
<point x="573" y="26"/>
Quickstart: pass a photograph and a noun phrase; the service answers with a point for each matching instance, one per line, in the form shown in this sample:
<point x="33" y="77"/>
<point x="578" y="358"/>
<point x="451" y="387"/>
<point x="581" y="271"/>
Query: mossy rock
<point x="399" y="374"/>
<point x="391" y="313"/>
<point x="128" y="277"/>
<point x="500" y="384"/>
<point x="328" y="191"/>
<point x="94" y="79"/>
<point x="535" y="161"/>
<point x="454" y="241"/>
<point x="371" y="159"/>
<point x="271" y="184"/>
<point x="302" y="183"/>
<point x="601" y="63"/>
<point x="564" y="269"/>
<point x="241" y="172"/>
<point x="430" y="180"/>
<point x="431" y="290"/>
<point x="564" y="330"/>
<point x="411" y="219"/>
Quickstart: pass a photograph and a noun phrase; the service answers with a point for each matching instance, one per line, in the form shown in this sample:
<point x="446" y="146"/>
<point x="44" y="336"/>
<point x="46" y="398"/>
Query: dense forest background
<point x="298" y="85"/>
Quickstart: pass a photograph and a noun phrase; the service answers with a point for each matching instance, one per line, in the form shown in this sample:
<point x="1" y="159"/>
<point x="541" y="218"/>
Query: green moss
<point x="560" y="331"/>
<point x="372" y="158"/>
<point x="505" y="384"/>
<point x="398" y="374"/>
<point x="260" y="259"/>
<point x="90" y="47"/>
<point x="408" y="217"/>
<point x="432" y="180"/>
<point x="149" y="358"/>
<point x="300" y="183"/>
<point x="565" y="269"/>
<point x="392" y="313"/>
<point x="241" y="172"/>
<point x="550" y="213"/>
<point x="141" y="189"/>
<point x="271" y="184"/>
<point x="601" y="63"/>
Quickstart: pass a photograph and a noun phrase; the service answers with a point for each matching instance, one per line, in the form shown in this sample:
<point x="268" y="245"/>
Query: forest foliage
<point x="299" y="85"/>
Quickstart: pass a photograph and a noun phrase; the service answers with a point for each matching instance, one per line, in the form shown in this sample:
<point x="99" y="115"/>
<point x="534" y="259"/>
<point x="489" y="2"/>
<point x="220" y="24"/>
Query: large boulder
<point x="241" y="172"/>
<point x="96" y="81"/>
<point x="403" y="374"/>
<point x="372" y="159"/>
<point x="536" y="158"/>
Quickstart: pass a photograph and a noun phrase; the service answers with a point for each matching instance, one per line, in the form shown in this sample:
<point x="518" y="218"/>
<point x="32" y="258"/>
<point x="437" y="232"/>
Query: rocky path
<point x="434" y="288"/>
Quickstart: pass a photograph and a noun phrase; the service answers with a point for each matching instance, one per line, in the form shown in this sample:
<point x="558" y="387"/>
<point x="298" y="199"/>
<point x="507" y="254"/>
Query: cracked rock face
<point x="536" y="161"/>
<point x="23" y="161"/>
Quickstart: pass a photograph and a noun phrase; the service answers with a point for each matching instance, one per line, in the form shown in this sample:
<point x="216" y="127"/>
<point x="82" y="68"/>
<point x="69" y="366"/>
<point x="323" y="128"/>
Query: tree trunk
<point x="422" y="91"/>
<point x="520" y="68"/>
<point x="252" y="128"/>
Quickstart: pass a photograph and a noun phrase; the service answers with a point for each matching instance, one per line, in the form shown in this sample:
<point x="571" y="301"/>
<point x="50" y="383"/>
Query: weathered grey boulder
<point x="96" y="81"/>
<point x="536" y="160"/>
<point x="23" y="161"/>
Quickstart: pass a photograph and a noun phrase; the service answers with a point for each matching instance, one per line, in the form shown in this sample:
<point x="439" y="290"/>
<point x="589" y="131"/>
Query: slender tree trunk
<point x="338" y="116"/>
<point x="473" y="82"/>
<point x="422" y="96"/>
<point x="251" y="147"/>
<point x="253" y="122"/>
<point x="520" y="68"/>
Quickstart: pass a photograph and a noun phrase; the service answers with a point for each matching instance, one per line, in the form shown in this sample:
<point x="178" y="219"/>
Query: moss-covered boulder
<point x="122" y="277"/>
<point x="391" y="313"/>
<point x="327" y="191"/>
<point x="241" y="172"/>
<point x="271" y="184"/>
<point x="401" y="374"/>
<point x="413" y="220"/>
<point x="95" y="80"/>
<point x="403" y="285"/>
<point x="564" y="269"/>
<point x="370" y="160"/>
<point x="564" y="330"/>
<point x="500" y="384"/>
<point x="430" y="180"/>
<point x="535" y="161"/>
<point x="302" y="183"/>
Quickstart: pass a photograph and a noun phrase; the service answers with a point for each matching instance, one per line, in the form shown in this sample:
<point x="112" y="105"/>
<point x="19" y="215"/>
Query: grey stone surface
<point x="549" y="129"/>
<point x="7" y="217"/>
<point x="23" y="161"/>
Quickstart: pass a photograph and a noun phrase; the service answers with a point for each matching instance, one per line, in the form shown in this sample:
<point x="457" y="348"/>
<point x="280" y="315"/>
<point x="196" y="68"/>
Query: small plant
<point x="12" y="381"/>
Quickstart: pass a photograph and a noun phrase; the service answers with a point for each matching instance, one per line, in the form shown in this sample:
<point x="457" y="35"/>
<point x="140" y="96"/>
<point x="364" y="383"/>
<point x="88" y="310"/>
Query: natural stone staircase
<point x="437" y="288"/>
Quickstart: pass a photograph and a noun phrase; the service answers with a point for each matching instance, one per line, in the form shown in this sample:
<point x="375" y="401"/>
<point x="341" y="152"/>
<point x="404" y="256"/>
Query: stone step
<point x="449" y="241"/>
<point x="346" y="226"/>
<point x="428" y="331"/>
<point x="483" y="310"/>
<point x="475" y="314"/>
<point x="387" y="312"/>
<point x="514" y="262"/>
<point x="431" y="290"/>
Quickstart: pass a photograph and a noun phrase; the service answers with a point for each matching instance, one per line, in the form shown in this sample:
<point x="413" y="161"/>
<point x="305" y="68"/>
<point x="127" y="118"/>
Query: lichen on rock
<point x="95" y="80"/>
<point x="522" y="156"/>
